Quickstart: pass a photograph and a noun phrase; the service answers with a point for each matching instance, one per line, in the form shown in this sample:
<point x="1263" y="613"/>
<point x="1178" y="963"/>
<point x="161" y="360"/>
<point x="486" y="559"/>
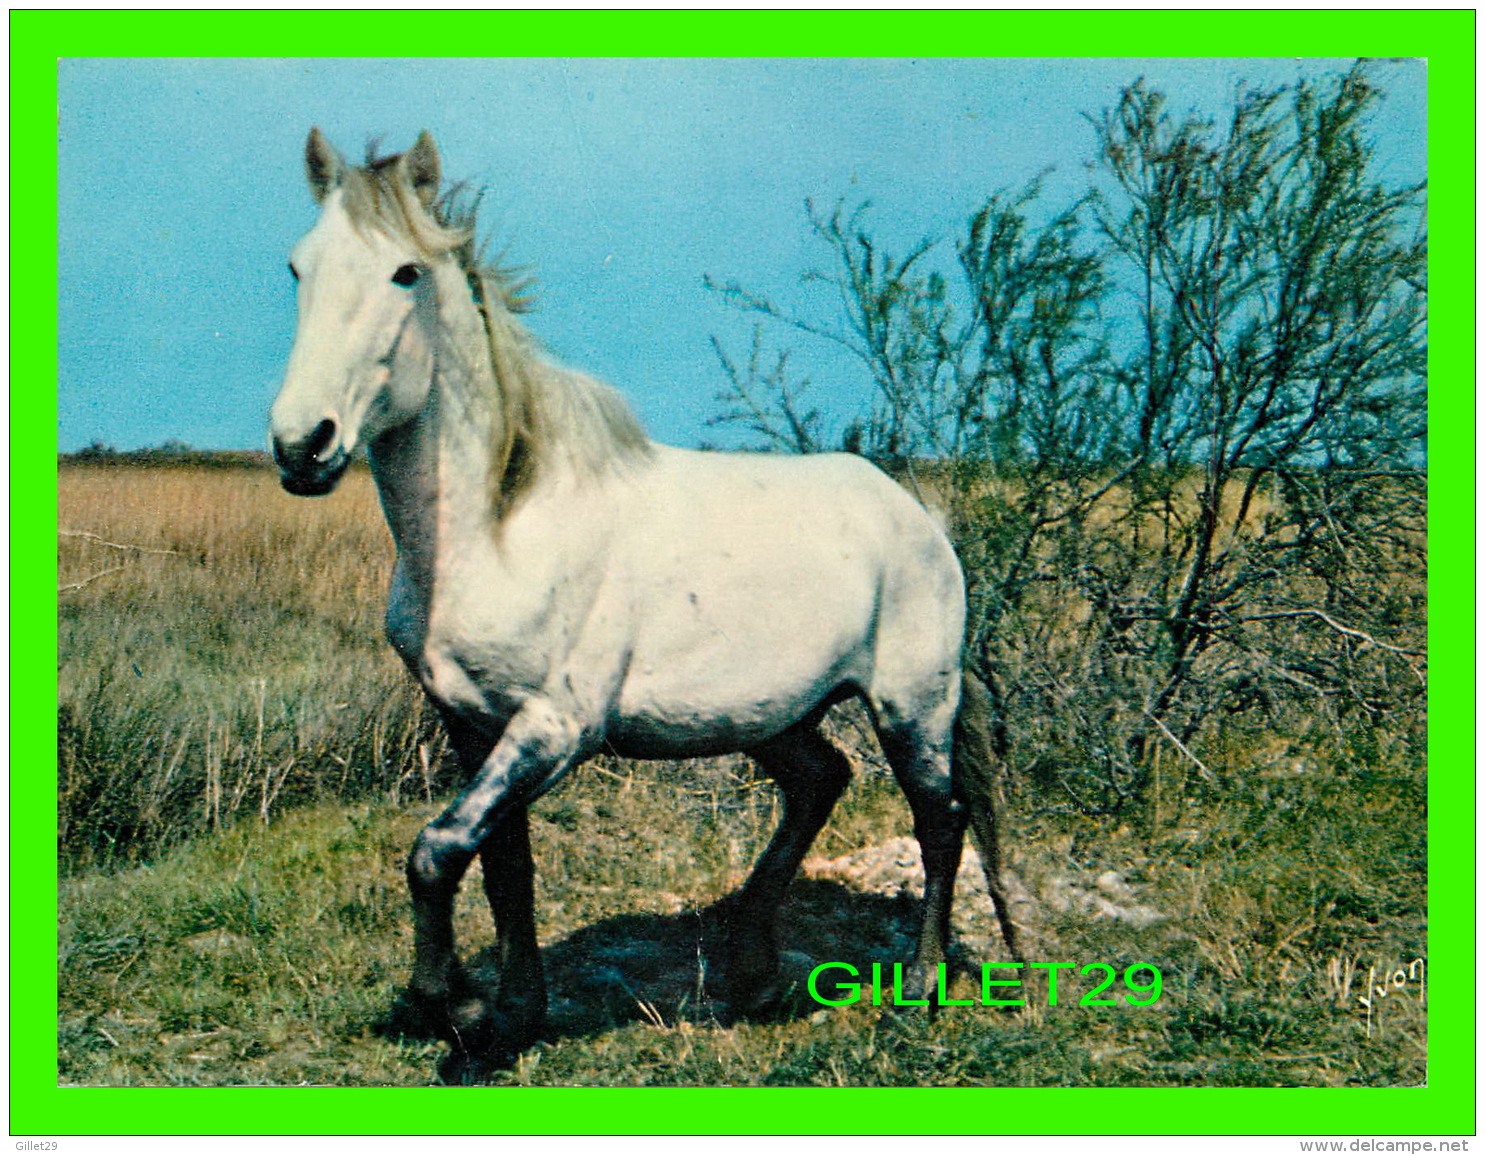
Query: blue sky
<point x="622" y="183"/>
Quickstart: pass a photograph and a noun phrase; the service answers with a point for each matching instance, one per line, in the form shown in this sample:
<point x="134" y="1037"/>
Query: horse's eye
<point x="293" y="272"/>
<point x="406" y="276"/>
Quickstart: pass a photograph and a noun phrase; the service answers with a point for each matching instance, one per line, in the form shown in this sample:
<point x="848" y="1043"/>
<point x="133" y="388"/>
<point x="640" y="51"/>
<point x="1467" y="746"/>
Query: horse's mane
<point x="545" y="412"/>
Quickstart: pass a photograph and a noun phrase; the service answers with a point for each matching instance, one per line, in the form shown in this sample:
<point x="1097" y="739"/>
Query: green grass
<point x="244" y="766"/>
<point x="272" y="953"/>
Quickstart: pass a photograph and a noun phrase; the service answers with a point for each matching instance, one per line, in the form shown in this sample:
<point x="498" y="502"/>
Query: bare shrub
<point x="1178" y="428"/>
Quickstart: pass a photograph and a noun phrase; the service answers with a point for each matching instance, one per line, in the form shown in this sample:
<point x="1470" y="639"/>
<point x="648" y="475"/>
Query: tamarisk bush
<point x="1178" y="431"/>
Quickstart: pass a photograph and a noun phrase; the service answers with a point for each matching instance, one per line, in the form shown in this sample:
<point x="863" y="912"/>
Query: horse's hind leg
<point x="812" y="774"/>
<point x="920" y="759"/>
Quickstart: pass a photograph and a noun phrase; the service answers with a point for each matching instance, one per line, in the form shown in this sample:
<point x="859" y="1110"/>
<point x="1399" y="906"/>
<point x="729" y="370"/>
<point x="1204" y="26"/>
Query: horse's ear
<point x="420" y="165"/>
<point x="322" y="165"/>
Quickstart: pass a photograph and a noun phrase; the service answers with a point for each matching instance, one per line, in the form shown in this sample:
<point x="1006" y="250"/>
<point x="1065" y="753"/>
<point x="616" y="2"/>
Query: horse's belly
<point x="702" y="726"/>
<point x="733" y="685"/>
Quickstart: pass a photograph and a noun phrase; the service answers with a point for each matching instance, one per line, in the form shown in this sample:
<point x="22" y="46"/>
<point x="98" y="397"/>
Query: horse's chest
<point x="408" y="608"/>
<point x="463" y="665"/>
<point x="474" y="686"/>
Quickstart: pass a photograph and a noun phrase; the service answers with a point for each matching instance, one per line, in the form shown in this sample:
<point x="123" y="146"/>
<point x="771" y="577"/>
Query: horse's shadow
<point x="667" y="969"/>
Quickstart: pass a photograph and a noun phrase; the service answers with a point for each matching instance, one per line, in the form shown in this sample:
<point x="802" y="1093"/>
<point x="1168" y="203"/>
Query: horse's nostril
<point x="320" y="439"/>
<point x="285" y="456"/>
<point x="310" y="453"/>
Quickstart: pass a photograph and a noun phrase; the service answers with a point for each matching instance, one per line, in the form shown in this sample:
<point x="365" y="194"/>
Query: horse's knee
<point x="437" y="862"/>
<point x="926" y="778"/>
<point x="810" y="770"/>
<point x="828" y="775"/>
<point x="834" y="770"/>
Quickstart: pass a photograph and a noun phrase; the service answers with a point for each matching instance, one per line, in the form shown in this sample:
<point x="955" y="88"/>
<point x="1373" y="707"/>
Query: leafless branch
<point x="1179" y="745"/>
<point x="89" y="580"/>
<point x="1365" y="638"/>
<point x="93" y="537"/>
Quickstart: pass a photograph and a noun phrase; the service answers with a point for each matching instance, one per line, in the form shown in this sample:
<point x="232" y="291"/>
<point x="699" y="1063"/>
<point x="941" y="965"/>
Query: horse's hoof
<point x="776" y="993"/>
<point x="778" y="999"/>
<point x="751" y="993"/>
<point x="415" y="1015"/>
<point x="461" y="1068"/>
<point x="497" y="1035"/>
<point x="916" y="996"/>
<point x="755" y="1006"/>
<point x="465" y="1019"/>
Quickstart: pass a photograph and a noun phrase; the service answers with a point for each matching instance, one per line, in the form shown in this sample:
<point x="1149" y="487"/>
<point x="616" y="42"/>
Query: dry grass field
<point x="222" y="655"/>
<point x="243" y="764"/>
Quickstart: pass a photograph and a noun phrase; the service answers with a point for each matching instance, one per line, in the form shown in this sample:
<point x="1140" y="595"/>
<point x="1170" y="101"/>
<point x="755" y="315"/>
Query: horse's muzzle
<point x="318" y="484"/>
<point x="314" y="466"/>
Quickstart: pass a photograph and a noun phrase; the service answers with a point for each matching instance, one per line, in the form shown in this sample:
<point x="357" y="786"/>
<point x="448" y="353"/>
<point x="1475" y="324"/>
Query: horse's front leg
<point x="538" y="746"/>
<point x="509" y="876"/>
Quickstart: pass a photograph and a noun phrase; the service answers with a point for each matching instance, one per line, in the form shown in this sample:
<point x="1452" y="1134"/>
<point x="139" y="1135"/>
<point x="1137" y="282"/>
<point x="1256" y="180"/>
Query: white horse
<point x="564" y="585"/>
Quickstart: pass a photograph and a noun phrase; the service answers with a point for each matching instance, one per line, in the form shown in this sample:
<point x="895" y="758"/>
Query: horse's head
<point x="367" y="272"/>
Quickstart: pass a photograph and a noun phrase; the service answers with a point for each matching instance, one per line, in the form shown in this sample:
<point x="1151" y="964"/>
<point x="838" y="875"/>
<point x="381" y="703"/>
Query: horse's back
<point x="770" y="495"/>
<point x="829" y="516"/>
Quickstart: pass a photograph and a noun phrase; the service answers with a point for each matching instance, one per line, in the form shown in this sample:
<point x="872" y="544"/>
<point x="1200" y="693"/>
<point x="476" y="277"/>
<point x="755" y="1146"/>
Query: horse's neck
<point x="433" y="473"/>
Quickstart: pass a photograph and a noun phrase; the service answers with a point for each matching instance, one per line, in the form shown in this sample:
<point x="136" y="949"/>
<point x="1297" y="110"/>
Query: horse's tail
<point x="974" y="782"/>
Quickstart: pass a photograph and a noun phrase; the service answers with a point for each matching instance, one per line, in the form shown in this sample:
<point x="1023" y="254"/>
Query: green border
<point x="1445" y="1107"/>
